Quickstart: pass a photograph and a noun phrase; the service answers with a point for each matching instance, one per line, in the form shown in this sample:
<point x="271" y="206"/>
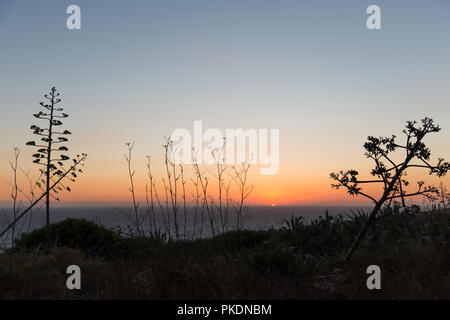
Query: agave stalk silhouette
<point x="51" y="143"/>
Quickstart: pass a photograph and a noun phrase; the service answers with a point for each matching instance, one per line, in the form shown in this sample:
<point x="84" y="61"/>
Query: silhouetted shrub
<point x="233" y="241"/>
<point x="275" y="261"/>
<point x="81" y="234"/>
<point x="140" y="247"/>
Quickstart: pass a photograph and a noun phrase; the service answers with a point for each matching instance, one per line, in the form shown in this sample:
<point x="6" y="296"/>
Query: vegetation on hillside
<point x="299" y="261"/>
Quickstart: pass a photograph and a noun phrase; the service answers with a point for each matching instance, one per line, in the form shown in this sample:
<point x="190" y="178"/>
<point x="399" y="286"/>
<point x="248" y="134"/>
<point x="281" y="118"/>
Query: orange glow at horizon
<point x="99" y="185"/>
<point x="300" y="180"/>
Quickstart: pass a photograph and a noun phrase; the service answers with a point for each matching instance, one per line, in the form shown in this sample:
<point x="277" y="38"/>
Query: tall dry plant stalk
<point x="131" y="173"/>
<point x="241" y="175"/>
<point x="183" y="186"/>
<point x="19" y="195"/>
<point x="196" y="200"/>
<point x="79" y="161"/>
<point x="172" y="182"/>
<point x="221" y="168"/>
<point x="50" y="149"/>
<point x="178" y="218"/>
<point x="149" y="196"/>
<point x="15" y="191"/>
<point x="206" y="206"/>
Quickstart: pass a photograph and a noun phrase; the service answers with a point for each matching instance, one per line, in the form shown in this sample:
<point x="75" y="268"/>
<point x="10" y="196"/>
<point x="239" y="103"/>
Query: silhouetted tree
<point x="391" y="175"/>
<point x="50" y="148"/>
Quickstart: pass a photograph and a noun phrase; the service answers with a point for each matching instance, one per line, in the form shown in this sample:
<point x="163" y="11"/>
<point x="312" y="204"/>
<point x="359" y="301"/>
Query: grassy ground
<point x="300" y="261"/>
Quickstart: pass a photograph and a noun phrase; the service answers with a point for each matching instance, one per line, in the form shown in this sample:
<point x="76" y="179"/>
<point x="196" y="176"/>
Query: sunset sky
<point x="137" y="70"/>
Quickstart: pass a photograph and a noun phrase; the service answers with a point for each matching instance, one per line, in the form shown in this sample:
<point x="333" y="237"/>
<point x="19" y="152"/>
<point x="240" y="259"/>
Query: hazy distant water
<point x="259" y="217"/>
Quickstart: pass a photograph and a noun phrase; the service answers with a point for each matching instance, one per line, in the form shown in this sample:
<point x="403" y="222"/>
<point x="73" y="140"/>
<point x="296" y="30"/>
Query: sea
<point x="256" y="218"/>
